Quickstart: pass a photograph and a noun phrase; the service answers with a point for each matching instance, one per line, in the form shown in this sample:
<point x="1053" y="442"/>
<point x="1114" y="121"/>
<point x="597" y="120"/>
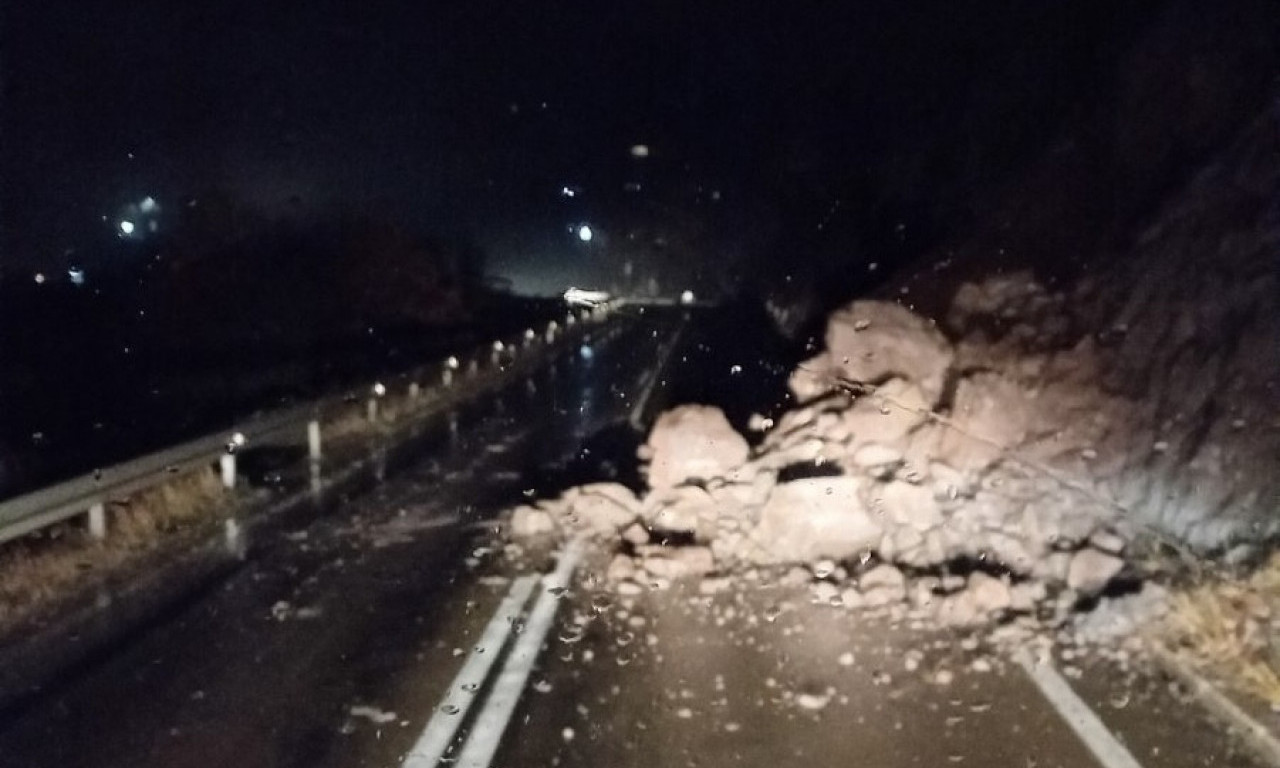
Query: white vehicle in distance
<point x="580" y="297"/>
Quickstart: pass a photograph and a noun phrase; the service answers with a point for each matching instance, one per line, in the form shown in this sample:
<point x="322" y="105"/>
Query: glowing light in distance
<point x="585" y="234"/>
<point x="639" y="150"/>
<point x="126" y="227"/>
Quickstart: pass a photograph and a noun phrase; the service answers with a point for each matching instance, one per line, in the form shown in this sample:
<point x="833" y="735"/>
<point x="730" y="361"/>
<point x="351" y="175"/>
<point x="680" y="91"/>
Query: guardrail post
<point x="375" y="394"/>
<point x="414" y="390"/>
<point x="98" y="521"/>
<point x="529" y="336"/>
<point x="234" y="537"/>
<point x="227" y="463"/>
<point x="569" y="319"/>
<point x="313" y="440"/>
<point x="473" y="367"/>
<point x="495" y="355"/>
<point x="552" y="327"/>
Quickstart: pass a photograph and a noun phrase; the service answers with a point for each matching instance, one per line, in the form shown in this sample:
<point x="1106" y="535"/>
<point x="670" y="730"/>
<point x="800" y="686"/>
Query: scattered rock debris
<point x="916" y="477"/>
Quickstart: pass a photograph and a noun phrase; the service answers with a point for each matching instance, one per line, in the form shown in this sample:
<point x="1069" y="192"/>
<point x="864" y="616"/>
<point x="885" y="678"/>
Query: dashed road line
<point x="436" y="739"/>
<point x="642" y="402"/>
<point x="1083" y="721"/>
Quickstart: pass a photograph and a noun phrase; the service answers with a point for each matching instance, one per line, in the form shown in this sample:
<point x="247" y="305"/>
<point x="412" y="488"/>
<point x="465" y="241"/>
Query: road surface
<point x="349" y="642"/>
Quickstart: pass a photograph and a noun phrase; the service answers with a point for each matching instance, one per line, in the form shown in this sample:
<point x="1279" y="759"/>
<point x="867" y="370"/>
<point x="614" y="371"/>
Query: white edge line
<point x="486" y="734"/>
<point x="1077" y="714"/>
<point x="1255" y="734"/>
<point x="449" y="713"/>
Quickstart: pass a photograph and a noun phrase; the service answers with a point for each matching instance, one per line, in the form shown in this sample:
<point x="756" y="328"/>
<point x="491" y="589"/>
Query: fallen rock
<point x="636" y="535"/>
<point x="876" y="459"/>
<point x="958" y="610"/>
<point x="812" y="378"/>
<point x="989" y="594"/>
<point x="1025" y="595"/>
<point x="882" y="585"/>
<point x="616" y="492"/>
<point x="685" y="509"/>
<point x="825" y="593"/>
<point x="814" y="518"/>
<point x="905" y="504"/>
<point x="990" y="417"/>
<point x="676" y="562"/>
<point x="528" y="522"/>
<point x="1090" y="571"/>
<point x="605" y="508"/>
<point x="1107" y="541"/>
<point x="693" y="442"/>
<point x="874" y="341"/>
<point x="888" y="415"/>
<point x="621" y="568"/>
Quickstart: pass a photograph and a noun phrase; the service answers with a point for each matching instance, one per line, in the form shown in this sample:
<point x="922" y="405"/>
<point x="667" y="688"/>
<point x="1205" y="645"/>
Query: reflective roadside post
<point x="371" y="407"/>
<point x="98" y="521"/>
<point x="314" y="454"/>
<point x="227" y="461"/>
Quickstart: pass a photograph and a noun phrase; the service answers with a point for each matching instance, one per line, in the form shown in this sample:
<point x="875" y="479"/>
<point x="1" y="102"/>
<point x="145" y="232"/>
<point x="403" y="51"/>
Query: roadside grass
<point x="1224" y="624"/>
<point x="44" y="566"/>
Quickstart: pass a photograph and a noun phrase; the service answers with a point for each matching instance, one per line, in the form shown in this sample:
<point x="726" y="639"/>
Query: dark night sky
<point x="431" y="114"/>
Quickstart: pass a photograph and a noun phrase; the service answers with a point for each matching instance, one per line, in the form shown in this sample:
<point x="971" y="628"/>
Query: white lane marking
<point x="637" y="411"/>
<point x="491" y="723"/>
<point x="438" y="735"/>
<point x="1221" y="706"/>
<point x="1100" y="741"/>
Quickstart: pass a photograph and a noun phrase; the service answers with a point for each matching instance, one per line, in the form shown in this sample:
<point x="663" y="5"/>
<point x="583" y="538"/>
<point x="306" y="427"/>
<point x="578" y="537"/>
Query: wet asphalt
<point x="333" y="645"/>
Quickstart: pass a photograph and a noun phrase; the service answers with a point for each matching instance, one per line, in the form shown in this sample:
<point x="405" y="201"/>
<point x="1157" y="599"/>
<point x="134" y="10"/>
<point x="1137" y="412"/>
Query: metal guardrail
<point x="89" y="494"/>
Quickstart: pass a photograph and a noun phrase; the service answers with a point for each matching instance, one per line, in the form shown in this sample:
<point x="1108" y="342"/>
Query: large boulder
<point x="813" y="518"/>
<point x="990" y="417"/>
<point x="693" y="442"/>
<point x="886" y="417"/>
<point x="683" y="510"/>
<point x="605" y="508"/>
<point x="874" y="341"/>
<point x="1091" y="571"/>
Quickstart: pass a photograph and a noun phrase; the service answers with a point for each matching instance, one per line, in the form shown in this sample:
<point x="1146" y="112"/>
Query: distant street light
<point x="585" y="234"/>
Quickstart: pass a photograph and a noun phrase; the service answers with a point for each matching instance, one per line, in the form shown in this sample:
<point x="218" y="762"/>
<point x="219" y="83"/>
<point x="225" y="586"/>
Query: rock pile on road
<point x="914" y="472"/>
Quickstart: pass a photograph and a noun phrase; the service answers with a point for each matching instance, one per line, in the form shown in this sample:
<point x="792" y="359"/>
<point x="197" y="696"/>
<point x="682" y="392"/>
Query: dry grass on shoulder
<point x="42" y="567"/>
<point x="1231" y="627"/>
